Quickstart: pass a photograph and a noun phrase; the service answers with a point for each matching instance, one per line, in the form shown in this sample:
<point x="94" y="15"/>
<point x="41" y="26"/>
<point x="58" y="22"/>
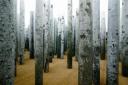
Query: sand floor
<point x="58" y="74"/>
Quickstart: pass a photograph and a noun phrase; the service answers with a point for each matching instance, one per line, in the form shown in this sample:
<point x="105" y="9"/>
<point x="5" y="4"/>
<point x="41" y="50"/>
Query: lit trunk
<point x="113" y="42"/>
<point x="85" y="58"/>
<point x="96" y="41"/>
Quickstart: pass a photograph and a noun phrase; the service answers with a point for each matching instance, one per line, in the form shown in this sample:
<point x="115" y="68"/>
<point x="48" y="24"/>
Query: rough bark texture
<point x="31" y="37"/>
<point x="69" y="40"/>
<point x="7" y="41"/>
<point x="39" y="42"/>
<point x="21" y="33"/>
<point x="125" y="38"/>
<point x="96" y="41"/>
<point x="113" y="42"/>
<point x="85" y="58"/>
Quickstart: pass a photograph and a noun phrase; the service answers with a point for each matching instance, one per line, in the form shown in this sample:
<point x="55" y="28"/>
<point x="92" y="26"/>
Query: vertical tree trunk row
<point x="113" y="42"/>
<point x="85" y="44"/>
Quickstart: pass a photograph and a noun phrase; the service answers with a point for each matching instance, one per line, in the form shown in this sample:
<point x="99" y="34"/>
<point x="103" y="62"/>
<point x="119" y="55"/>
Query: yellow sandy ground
<point x="58" y="74"/>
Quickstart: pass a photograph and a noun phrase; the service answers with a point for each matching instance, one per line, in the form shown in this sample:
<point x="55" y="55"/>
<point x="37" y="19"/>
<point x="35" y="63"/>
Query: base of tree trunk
<point x="125" y="70"/>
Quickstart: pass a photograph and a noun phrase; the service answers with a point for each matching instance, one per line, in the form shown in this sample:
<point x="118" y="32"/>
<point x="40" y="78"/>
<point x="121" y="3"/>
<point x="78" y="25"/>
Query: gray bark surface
<point x="7" y="41"/>
<point x="125" y="37"/>
<point x="85" y="58"/>
<point x="113" y="42"/>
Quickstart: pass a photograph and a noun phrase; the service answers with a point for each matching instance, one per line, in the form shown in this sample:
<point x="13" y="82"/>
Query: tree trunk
<point x="39" y="42"/>
<point x="62" y="37"/>
<point x="69" y="39"/>
<point x="77" y="35"/>
<point x="51" y="34"/>
<point x="103" y="36"/>
<point x="113" y="42"/>
<point x="125" y="38"/>
<point x="85" y="58"/>
<point x="46" y="36"/>
<point x="96" y="41"/>
<point x="7" y="41"/>
<point x="21" y="33"/>
<point x="31" y="38"/>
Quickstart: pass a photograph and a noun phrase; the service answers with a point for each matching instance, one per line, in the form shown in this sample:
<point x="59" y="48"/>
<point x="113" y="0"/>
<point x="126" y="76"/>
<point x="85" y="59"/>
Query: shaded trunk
<point x="69" y="38"/>
<point x="39" y="42"/>
<point x="21" y="33"/>
<point x="31" y="37"/>
<point x="7" y="41"/>
<point x="125" y="38"/>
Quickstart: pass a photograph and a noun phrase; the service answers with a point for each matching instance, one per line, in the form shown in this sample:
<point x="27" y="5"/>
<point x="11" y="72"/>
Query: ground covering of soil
<point x="58" y="73"/>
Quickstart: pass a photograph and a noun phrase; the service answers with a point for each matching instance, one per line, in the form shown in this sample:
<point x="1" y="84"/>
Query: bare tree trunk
<point x="62" y="37"/>
<point x="39" y="42"/>
<point x="46" y="36"/>
<point x="51" y="33"/>
<point x="125" y="38"/>
<point x="59" y="39"/>
<point x="113" y="42"/>
<point x="77" y="35"/>
<point x="31" y="38"/>
<point x="21" y="33"/>
<point x="7" y="41"/>
<point x="96" y="41"/>
<point x="85" y="58"/>
<point x="69" y="40"/>
<point x="103" y="36"/>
